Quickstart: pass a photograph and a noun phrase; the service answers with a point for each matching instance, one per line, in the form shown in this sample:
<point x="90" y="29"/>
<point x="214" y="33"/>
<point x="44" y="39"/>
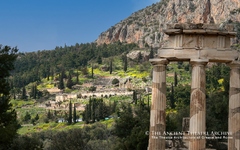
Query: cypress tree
<point x="36" y="117"/>
<point x="34" y="91"/>
<point x="77" y="80"/>
<point x="93" y="110"/>
<point x="24" y="93"/>
<point x="101" y="115"/>
<point x="92" y="71"/>
<point x="125" y="63"/>
<point x="172" y="97"/>
<point x="74" y="114"/>
<point x="70" y="113"/>
<point x="61" y="83"/>
<point x="175" y="79"/>
<point x="49" y="115"/>
<point x="110" y="67"/>
<point x="135" y="96"/>
<point x="86" y="113"/>
<point x="151" y="55"/>
<point x="52" y="74"/>
<point x="69" y="81"/>
<point x="99" y="60"/>
<point x="27" y="117"/>
<point x="140" y="57"/>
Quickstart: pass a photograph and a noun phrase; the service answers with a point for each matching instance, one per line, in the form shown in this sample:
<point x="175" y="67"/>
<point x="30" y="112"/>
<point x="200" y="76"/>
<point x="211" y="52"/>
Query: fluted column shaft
<point x="234" y="107"/>
<point x="198" y="105"/>
<point x="158" y="106"/>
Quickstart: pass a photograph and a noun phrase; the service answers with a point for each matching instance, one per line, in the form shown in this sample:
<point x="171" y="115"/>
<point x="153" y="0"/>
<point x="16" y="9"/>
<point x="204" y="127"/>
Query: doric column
<point x="197" y="126"/>
<point x="158" y="106"/>
<point x="234" y="107"/>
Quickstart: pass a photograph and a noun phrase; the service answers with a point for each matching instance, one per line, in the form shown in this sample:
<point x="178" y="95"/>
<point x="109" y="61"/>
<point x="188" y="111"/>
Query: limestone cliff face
<point x="145" y="26"/>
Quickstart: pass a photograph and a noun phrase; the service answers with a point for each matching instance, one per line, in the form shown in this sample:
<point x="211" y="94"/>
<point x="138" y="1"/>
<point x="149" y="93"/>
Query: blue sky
<point x="33" y="25"/>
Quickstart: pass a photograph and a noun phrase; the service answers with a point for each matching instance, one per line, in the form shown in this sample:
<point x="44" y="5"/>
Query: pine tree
<point x="8" y="116"/>
<point x="70" y="113"/>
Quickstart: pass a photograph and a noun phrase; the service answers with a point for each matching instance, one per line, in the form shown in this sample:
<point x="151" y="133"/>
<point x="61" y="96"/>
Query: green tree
<point x="110" y="67"/>
<point x="135" y="97"/>
<point x="172" y="100"/>
<point x="84" y="71"/>
<point x="49" y="115"/>
<point x="36" y="117"/>
<point x="151" y="55"/>
<point x="27" y="117"/>
<point x="139" y="57"/>
<point x="74" y="114"/>
<point x="24" y="93"/>
<point x="87" y="113"/>
<point x="99" y="60"/>
<point x="175" y="79"/>
<point x="8" y="117"/>
<point x="130" y="129"/>
<point x="34" y="91"/>
<point x="70" y="113"/>
<point x="77" y="78"/>
<point x="125" y="61"/>
<point x="61" y="83"/>
<point x="69" y="81"/>
<point x="92" y="72"/>
<point x="93" y="115"/>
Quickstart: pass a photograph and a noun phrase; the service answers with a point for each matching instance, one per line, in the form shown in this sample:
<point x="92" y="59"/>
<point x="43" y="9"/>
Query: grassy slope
<point x="135" y="71"/>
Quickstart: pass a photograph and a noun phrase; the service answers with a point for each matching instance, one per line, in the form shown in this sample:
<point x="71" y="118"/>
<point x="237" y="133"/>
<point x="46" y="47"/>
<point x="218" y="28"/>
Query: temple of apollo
<point x="197" y="44"/>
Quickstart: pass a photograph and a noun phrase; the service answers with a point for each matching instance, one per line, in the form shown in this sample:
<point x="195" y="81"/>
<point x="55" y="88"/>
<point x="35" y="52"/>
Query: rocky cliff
<point x="144" y="27"/>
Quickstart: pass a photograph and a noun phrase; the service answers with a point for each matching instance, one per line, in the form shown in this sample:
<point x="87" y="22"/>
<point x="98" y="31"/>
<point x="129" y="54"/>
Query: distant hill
<point x="144" y="27"/>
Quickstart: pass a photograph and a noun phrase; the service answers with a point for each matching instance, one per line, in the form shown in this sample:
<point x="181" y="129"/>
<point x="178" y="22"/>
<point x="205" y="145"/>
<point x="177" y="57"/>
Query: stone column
<point x="158" y="106"/>
<point x="197" y="126"/>
<point x="234" y="107"/>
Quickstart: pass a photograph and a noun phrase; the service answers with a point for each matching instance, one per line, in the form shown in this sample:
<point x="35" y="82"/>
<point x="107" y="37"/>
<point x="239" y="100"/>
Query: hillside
<point x="144" y="27"/>
<point x="100" y="93"/>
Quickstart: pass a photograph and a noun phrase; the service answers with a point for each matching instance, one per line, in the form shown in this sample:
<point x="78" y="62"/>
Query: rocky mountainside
<point x="144" y="27"/>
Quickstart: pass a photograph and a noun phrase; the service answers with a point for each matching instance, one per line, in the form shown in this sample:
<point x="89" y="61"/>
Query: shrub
<point x="115" y="81"/>
<point x="92" y="88"/>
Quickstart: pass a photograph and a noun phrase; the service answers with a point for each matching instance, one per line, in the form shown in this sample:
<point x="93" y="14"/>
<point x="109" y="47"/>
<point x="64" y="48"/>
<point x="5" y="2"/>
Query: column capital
<point x="158" y="61"/>
<point x="234" y="64"/>
<point x="199" y="62"/>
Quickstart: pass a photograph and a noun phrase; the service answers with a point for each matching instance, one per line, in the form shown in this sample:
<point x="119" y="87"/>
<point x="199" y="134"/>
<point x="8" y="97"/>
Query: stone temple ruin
<point x="197" y="44"/>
